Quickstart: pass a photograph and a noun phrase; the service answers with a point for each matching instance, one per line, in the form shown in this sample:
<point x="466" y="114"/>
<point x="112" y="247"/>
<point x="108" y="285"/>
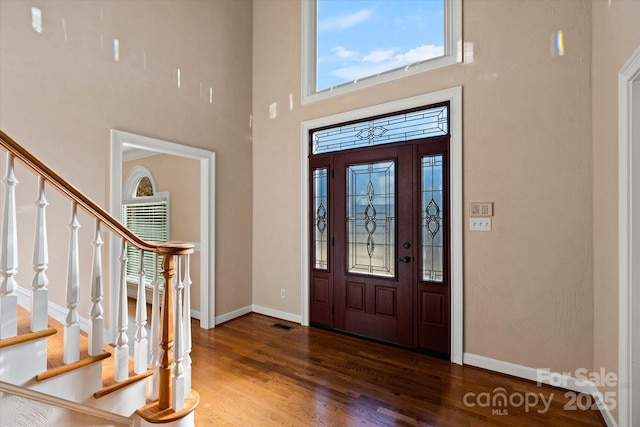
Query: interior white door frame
<point x="628" y="235"/>
<point x="207" y="159"/>
<point x="454" y="96"/>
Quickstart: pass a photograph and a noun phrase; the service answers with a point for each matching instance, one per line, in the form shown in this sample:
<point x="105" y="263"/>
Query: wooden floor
<point x="249" y="373"/>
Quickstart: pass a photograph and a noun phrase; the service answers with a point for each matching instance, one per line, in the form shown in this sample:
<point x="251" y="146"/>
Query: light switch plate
<point x="480" y="224"/>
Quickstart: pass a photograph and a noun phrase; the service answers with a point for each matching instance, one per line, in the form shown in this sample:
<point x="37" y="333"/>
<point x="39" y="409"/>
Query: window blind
<point x="148" y="220"/>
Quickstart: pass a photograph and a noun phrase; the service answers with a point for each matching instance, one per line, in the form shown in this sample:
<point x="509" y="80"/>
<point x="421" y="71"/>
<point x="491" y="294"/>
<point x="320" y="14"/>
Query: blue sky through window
<point x="359" y="38"/>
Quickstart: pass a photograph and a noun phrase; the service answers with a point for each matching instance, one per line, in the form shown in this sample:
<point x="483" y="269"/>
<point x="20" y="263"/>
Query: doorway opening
<point x="203" y="212"/>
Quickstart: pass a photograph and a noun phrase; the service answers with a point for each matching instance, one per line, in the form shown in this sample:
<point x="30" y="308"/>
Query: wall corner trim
<point x="628" y="233"/>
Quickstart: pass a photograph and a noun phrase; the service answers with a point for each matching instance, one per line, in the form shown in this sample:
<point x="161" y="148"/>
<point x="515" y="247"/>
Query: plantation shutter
<point x="148" y="220"/>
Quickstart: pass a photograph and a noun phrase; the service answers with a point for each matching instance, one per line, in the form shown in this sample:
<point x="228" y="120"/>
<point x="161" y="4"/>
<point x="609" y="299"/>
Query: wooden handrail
<point x="169" y="250"/>
<point x="66" y="188"/>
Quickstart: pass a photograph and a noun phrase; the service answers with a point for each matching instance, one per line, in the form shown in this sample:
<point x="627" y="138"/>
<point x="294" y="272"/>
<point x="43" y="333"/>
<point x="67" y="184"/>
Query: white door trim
<point x="454" y="96"/>
<point x="628" y="274"/>
<point x="207" y="159"/>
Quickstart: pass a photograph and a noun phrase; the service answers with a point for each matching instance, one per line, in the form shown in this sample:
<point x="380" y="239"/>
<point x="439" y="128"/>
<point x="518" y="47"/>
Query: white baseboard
<point x="24" y="297"/>
<point x="59" y="312"/>
<point x="232" y="315"/>
<point x="56" y="311"/>
<point x="296" y="318"/>
<point x="542" y="376"/>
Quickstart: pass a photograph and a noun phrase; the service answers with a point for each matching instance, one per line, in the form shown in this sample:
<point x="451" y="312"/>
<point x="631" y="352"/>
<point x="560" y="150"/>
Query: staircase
<point x="49" y="353"/>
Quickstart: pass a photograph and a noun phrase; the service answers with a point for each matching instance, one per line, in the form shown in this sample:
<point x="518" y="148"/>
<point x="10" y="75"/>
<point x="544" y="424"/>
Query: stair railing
<point x="170" y="341"/>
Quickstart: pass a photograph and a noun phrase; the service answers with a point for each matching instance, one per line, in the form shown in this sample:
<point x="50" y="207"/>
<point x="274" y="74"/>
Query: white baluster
<point x="177" y="398"/>
<point x="72" y="322"/>
<point x="39" y="301"/>
<point x="9" y="257"/>
<point x="97" y="293"/>
<point x="154" y="344"/>
<point x="121" y="361"/>
<point x="186" y="313"/>
<point x="140" y="347"/>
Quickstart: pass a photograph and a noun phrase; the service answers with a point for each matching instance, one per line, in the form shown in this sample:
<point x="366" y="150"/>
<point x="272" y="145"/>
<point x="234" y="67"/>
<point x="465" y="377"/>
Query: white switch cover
<point x="480" y="224"/>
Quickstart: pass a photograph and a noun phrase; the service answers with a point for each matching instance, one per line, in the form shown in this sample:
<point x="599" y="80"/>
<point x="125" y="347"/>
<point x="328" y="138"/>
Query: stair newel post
<point x="166" y="338"/>
<point x="169" y="323"/>
<point x="9" y="257"/>
<point x="178" y="369"/>
<point x="187" y="326"/>
<point x="97" y="293"/>
<point x="72" y="321"/>
<point x="121" y="361"/>
<point x="140" y="347"/>
<point x="39" y="301"/>
<point x="155" y="333"/>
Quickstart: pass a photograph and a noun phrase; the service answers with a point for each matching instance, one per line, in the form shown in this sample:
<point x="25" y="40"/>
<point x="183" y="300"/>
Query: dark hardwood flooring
<point x="249" y="373"/>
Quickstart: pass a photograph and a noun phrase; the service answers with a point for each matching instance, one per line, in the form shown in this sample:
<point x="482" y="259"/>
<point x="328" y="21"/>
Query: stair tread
<point x="56" y="366"/>
<point x="63" y="369"/>
<point x="111" y="385"/>
<point x="55" y="352"/>
<point x="27" y="336"/>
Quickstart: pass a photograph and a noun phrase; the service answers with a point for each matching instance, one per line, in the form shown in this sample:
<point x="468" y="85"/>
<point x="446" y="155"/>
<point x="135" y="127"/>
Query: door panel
<point x="373" y="291"/>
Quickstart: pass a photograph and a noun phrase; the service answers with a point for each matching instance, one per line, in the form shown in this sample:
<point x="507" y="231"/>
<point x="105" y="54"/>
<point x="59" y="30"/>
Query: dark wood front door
<point x="380" y="243"/>
<point x="373" y="294"/>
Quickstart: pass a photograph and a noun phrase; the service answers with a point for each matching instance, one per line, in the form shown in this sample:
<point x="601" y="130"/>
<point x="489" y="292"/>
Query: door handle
<point x="405" y="259"/>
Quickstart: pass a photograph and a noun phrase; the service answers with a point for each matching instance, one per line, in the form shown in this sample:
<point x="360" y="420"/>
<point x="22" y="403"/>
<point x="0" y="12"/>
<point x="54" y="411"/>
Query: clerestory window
<point x="352" y="44"/>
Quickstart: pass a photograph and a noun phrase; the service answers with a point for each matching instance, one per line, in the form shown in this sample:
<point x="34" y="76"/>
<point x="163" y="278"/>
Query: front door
<point x="380" y="242"/>
<point x="373" y="246"/>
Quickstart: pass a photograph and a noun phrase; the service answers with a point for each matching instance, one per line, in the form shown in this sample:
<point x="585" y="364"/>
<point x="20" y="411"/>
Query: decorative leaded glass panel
<point x="432" y="218"/>
<point x="371" y="228"/>
<point x="320" y="219"/>
<point x="397" y="128"/>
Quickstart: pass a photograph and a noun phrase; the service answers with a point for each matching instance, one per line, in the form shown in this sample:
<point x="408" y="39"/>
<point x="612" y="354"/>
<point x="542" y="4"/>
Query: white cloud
<point x="343" y="53"/>
<point x="380" y="61"/>
<point x="420" y="53"/>
<point x="345" y="22"/>
<point x="379" y="55"/>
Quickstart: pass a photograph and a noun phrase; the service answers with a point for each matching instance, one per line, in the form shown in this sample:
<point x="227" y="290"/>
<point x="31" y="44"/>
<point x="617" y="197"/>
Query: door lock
<point x="405" y="259"/>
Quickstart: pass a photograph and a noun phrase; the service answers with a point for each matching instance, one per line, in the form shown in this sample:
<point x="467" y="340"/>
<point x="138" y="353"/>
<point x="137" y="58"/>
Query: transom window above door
<point x="404" y="126"/>
<point x="352" y="44"/>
